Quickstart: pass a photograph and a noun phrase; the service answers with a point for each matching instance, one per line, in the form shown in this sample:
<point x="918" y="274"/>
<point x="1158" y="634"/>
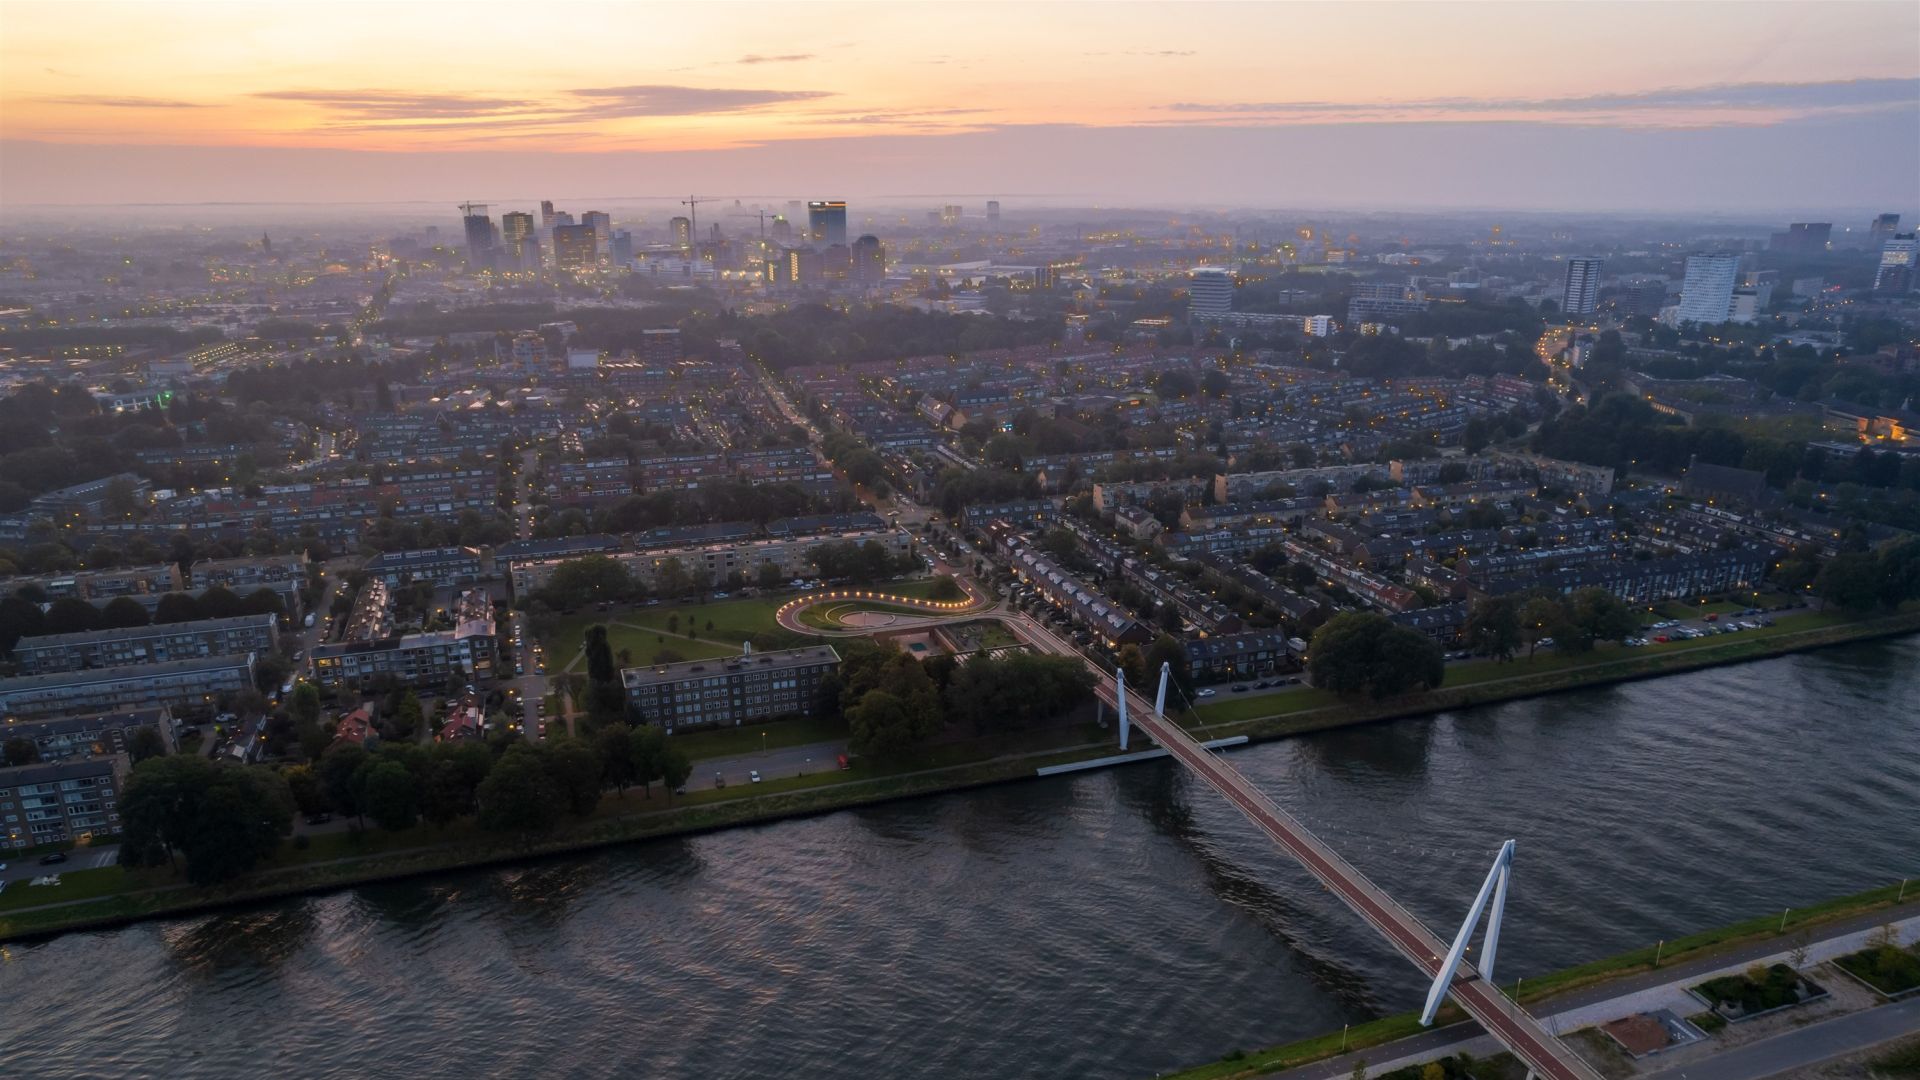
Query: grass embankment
<point x="1482" y="682"/>
<point x="1692" y="947"/>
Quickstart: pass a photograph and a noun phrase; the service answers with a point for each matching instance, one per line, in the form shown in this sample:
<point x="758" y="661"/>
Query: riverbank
<point x="1625" y="973"/>
<point x="115" y="896"/>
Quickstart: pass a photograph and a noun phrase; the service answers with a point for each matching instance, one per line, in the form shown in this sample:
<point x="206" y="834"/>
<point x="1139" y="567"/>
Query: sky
<point x="1548" y="105"/>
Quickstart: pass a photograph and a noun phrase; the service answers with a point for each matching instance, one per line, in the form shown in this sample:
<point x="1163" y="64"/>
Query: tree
<point x="646" y="751"/>
<point x="19" y="617"/>
<point x="599" y="656"/>
<point x="303" y="782"/>
<point x="1598" y="615"/>
<point x="392" y="795"/>
<point x="21" y="750"/>
<point x="263" y="601"/>
<point x="337" y="769"/>
<point x="576" y="769"/>
<point x="1493" y="627"/>
<point x="72" y="615"/>
<point x="1171" y="651"/>
<point x="224" y="818"/>
<point x="1541" y="617"/>
<point x="1851" y="580"/>
<point x="1357" y="652"/>
<point x="453" y="777"/>
<point x="614" y="743"/>
<point x="675" y="768"/>
<point x="883" y="726"/>
<point x="123" y="611"/>
<point x="176" y="607"/>
<point x="945" y="588"/>
<point x="219" y="602"/>
<point x="519" y="795"/>
<point x="145" y="742"/>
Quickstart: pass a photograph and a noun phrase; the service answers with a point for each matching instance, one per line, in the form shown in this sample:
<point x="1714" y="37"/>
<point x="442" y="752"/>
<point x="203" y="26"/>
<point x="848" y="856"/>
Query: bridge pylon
<point x="1496" y="886"/>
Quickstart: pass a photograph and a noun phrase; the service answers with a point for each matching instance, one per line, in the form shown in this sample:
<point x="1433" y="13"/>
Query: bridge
<point x="1445" y="965"/>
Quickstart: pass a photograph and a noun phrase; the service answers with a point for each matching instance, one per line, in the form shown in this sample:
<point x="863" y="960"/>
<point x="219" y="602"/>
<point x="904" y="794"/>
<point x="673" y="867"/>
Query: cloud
<point x="755" y="58"/>
<point x="111" y="102"/>
<point x="1774" y="100"/>
<point x="400" y="105"/>
<point x="682" y="100"/>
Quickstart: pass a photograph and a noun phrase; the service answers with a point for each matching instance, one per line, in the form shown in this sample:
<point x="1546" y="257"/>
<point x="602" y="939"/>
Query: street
<point x="778" y="762"/>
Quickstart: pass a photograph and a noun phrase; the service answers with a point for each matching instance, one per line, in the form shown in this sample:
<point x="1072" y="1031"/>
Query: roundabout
<point x="857" y="612"/>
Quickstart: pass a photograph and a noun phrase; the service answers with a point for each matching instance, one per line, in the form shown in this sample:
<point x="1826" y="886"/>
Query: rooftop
<point x="779" y="660"/>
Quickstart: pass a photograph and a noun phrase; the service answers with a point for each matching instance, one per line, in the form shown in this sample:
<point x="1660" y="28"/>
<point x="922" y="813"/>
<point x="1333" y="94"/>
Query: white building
<point x="1209" y="291"/>
<point x="1706" y="293"/>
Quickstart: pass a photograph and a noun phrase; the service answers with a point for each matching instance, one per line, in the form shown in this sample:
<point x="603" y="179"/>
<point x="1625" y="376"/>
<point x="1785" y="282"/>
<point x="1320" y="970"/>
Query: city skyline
<point x="191" y="103"/>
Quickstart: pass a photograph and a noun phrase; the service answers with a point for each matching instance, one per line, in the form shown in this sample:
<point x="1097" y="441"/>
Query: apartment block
<point x="730" y="691"/>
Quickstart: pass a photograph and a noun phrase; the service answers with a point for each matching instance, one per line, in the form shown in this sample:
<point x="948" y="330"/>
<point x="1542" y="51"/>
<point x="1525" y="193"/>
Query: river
<point x="1109" y="924"/>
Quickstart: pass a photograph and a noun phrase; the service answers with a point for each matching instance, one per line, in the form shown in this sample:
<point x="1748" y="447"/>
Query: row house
<point x="159" y="643"/>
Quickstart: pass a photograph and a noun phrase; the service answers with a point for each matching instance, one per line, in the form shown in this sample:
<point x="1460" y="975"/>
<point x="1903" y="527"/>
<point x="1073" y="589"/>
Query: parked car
<point x="1209" y="692"/>
<point x="54" y="859"/>
<point x="1240" y="689"/>
<point x="719" y="781"/>
<point x="753" y="776"/>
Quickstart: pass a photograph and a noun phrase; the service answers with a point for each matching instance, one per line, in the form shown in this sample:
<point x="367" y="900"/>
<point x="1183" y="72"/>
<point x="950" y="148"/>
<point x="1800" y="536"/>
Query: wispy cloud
<point x="400" y="105"/>
<point x="112" y="102"/>
<point x="665" y="100"/>
<point x="789" y="58"/>
<point x="1727" y="103"/>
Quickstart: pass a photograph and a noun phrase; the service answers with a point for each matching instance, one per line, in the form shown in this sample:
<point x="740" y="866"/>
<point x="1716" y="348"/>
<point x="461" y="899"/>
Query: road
<point x="1786" y="1054"/>
<point x="780" y="761"/>
<point x="25" y="868"/>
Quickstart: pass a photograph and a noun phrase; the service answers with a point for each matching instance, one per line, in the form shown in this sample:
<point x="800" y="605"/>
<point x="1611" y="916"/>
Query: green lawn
<point x="745" y="739"/>
<point x="642" y="645"/>
<point x="78" y="885"/>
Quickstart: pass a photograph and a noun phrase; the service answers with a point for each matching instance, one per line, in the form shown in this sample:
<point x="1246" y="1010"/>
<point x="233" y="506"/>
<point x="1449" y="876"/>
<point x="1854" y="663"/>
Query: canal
<point x="1110" y="924"/>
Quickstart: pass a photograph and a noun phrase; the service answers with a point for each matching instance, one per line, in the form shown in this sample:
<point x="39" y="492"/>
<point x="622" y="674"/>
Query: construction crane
<point x="692" y="203"/>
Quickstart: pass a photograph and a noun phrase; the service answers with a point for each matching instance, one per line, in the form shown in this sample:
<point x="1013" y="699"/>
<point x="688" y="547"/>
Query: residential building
<point x="90" y="734"/>
<point x="1706" y="293"/>
<point x="446" y="567"/>
<point x="1209" y="291"/>
<point x="1582" y="290"/>
<point x="61" y="801"/>
<point x="156" y="644"/>
<point x="1895" y="277"/>
<point x="467" y="652"/>
<point x="732" y="690"/>
<point x="179" y="684"/>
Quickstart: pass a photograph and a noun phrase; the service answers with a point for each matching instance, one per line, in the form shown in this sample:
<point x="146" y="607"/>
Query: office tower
<point x="602" y="227"/>
<point x="621" y="248"/>
<point x="1645" y="297"/>
<point x="827" y="221"/>
<point x="1804" y="237"/>
<point x="869" y="260"/>
<point x="949" y="216"/>
<point x="562" y="218"/>
<point x="573" y="247"/>
<point x="1706" y="292"/>
<point x="546" y="214"/>
<point x="803" y="266"/>
<point x="266" y="244"/>
<point x="1209" y="291"/>
<point x="782" y="230"/>
<point x="836" y="262"/>
<point x="1897" y="256"/>
<point x="479" y="232"/>
<point x="1583" y="286"/>
<point x="993" y="211"/>
<point x="682" y="232"/>
<point x="1883" y="229"/>
<point x="516" y="232"/>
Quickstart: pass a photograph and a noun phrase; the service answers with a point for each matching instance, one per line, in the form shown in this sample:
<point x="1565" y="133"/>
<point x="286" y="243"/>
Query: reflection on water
<point x="1101" y="925"/>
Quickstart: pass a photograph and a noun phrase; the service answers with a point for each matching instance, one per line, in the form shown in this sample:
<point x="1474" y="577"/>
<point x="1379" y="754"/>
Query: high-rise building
<point x="574" y="247"/>
<point x="827" y="221"/>
<point x="1897" y="256"/>
<point x="869" y="260"/>
<point x="602" y="227"/>
<point x="781" y="230"/>
<point x="993" y="211"/>
<point x="1803" y="236"/>
<point x="479" y="232"/>
<point x="621" y="249"/>
<point x="1883" y="229"/>
<point x="682" y="232"/>
<point x="949" y="216"/>
<point x="1583" y="286"/>
<point x="1209" y="291"/>
<point x="1706" y="292"/>
<point x="522" y="244"/>
<point x="546" y="213"/>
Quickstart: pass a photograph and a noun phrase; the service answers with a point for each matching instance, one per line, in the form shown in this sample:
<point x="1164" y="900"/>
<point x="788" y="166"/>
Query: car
<point x="1546" y="643"/>
<point x="53" y="859"/>
<point x="319" y="819"/>
<point x="1712" y="618"/>
<point x="1662" y="639"/>
<point x="719" y="781"/>
<point x="1209" y="692"/>
<point x="1293" y="681"/>
<point x="721" y="595"/>
<point x="753" y="776"/>
<point x="1262" y="685"/>
<point x="3" y="868"/>
<point x="1240" y="689"/>
<point x="844" y="765"/>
